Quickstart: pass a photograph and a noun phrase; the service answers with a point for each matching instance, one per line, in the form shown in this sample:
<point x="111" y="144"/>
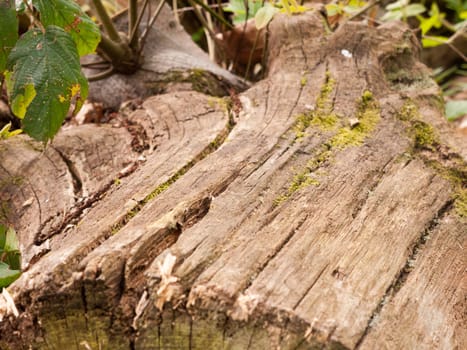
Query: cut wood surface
<point x="324" y="207"/>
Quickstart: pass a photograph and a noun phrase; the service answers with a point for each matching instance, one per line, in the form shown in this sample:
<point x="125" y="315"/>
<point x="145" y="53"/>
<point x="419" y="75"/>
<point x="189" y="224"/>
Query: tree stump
<point x="324" y="207"/>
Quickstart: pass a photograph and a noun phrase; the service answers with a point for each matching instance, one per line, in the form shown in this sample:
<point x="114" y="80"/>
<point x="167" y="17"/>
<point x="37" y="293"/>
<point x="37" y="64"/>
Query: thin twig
<point x="201" y="18"/>
<point x="132" y="17"/>
<point x="208" y="9"/>
<point x="250" y="58"/>
<point x="142" y="39"/>
<point x="451" y="46"/>
<point x="134" y="31"/>
<point x="209" y="38"/>
<point x="176" y="10"/>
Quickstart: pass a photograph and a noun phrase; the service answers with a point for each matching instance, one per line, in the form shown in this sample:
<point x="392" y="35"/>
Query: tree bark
<point x="324" y="207"/>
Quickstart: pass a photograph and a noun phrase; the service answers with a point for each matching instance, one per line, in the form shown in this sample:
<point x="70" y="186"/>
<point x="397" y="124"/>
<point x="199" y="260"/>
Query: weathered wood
<point x="295" y="228"/>
<point x="426" y="310"/>
<point x="44" y="190"/>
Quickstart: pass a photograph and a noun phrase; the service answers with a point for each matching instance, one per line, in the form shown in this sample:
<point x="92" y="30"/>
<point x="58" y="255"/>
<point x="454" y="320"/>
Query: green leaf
<point x="11" y="254"/>
<point x="49" y="61"/>
<point x="69" y="16"/>
<point x="237" y="7"/>
<point x="333" y="9"/>
<point x="7" y="275"/>
<point x="22" y="100"/>
<point x="456" y="109"/>
<point x="413" y="10"/>
<point x="392" y="16"/>
<point x="265" y="15"/>
<point x="5" y="133"/>
<point x="11" y="242"/>
<point x="3" y="230"/>
<point x="8" y="30"/>
<point x="397" y="5"/>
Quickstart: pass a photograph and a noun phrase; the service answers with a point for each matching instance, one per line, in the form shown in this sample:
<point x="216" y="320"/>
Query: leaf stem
<point x="133" y="31"/>
<point x="150" y="24"/>
<point x="132" y="17"/>
<point x="110" y="49"/>
<point x="106" y="20"/>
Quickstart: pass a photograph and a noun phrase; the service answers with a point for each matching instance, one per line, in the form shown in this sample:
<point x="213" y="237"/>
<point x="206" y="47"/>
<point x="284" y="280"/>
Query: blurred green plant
<point x="10" y="256"/>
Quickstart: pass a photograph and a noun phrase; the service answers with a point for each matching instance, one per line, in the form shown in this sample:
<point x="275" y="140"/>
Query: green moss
<point x="409" y="111"/>
<point x="367" y="96"/>
<point x="456" y="174"/>
<point x="302" y="122"/>
<point x="368" y="115"/>
<point x="325" y="121"/>
<point x="199" y="79"/>
<point x="300" y="180"/>
<point x="211" y="147"/>
<point x="303" y="81"/>
<point x="460" y="203"/>
<point x="323" y="103"/>
<point x="423" y="135"/>
<point x="322" y="115"/>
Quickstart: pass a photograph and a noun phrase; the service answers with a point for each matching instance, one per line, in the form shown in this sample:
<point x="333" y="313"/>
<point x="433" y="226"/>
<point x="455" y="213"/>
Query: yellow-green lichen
<point x="303" y="80"/>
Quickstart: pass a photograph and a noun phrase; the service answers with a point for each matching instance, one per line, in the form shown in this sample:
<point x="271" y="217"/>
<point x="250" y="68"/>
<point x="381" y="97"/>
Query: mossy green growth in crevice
<point x="422" y="133"/>
<point x="322" y="115"/>
<point x="368" y="115"/>
<point x="210" y="148"/>
<point x="199" y="79"/>
<point x="460" y="203"/>
<point x="425" y="138"/>
<point x="456" y="174"/>
<point x="300" y="180"/>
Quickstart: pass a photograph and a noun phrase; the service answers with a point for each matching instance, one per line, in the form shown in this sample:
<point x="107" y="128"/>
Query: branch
<point x="448" y="43"/>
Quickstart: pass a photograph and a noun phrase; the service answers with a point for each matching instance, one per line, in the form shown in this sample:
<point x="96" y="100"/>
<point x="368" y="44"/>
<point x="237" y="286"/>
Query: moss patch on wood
<point x="425" y="138"/>
<point x="322" y="115"/>
<point x="368" y="115"/>
<point x="198" y="79"/>
<point x="211" y="147"/>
